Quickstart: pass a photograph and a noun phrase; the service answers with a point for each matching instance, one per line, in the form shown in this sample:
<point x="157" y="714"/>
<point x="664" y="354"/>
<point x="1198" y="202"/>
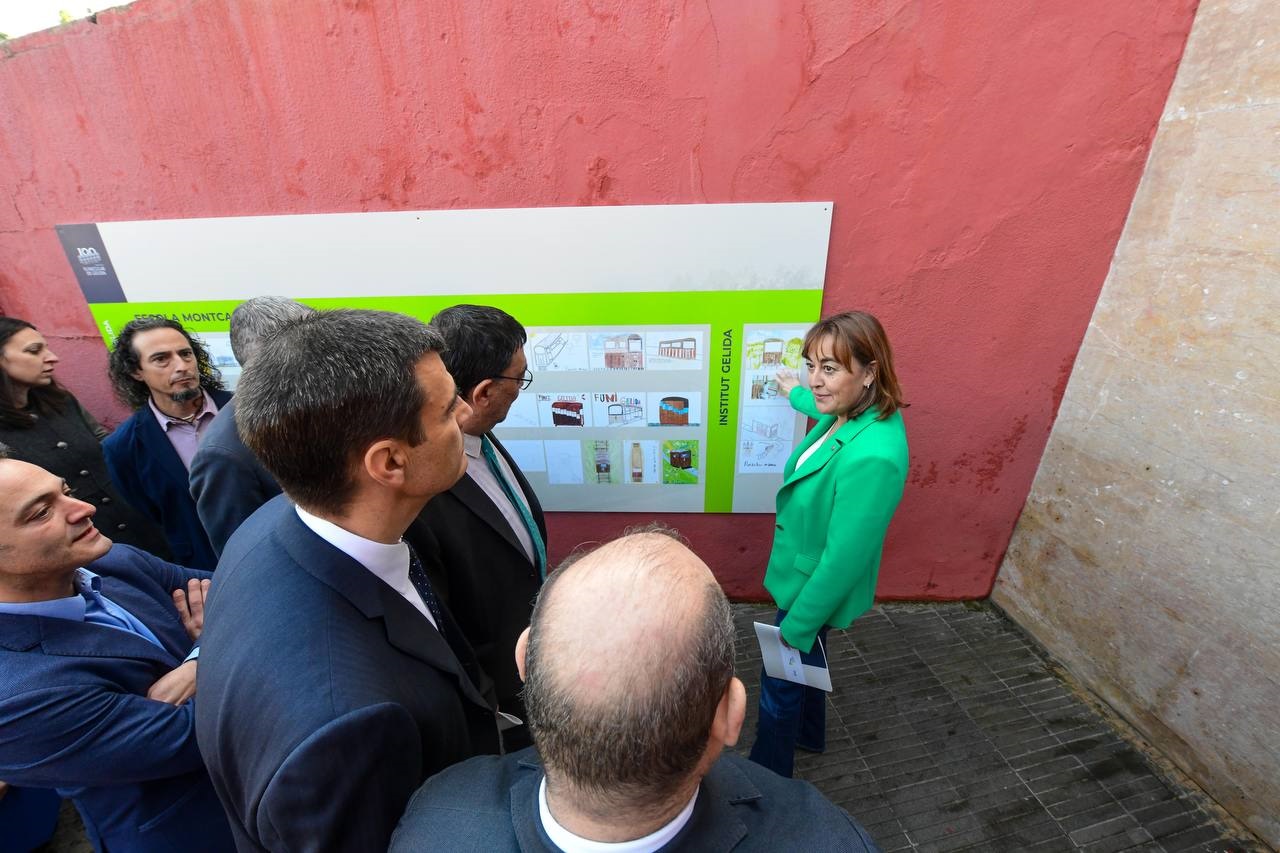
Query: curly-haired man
<point x="166" y="375"/>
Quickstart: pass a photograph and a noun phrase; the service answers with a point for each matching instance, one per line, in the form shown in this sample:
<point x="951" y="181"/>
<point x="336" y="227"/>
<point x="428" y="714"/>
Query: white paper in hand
<point x="782" y="661"/>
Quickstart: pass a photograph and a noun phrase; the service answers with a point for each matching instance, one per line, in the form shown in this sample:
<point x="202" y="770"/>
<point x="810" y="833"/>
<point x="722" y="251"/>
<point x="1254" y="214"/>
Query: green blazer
<point x="833" y="512"/>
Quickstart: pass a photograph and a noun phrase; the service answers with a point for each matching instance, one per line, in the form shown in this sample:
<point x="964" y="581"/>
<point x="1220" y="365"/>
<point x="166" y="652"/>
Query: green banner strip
<point x="725" y="312"/>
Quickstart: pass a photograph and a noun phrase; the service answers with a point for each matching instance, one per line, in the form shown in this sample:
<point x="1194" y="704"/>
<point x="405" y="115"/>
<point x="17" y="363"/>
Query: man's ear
<point x="522" y="648"/>
<point x="384" y="461"/>
<point x="478" y="397"/>
<point x="726" y="726"/>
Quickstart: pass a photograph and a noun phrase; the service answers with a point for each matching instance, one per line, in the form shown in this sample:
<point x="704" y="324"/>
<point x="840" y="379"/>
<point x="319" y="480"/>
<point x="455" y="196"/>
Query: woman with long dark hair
<point x="840" y="489"/>
<point x="44" y="424"/>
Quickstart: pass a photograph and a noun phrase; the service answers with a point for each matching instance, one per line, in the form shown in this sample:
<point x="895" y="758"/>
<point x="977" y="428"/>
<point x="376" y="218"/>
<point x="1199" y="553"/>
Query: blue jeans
<point x="791" y="715"/>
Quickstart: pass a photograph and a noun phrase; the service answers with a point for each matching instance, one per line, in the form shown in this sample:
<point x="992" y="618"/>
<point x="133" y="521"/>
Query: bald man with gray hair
<point x="631" y="699"/>
<point x="228" y="483"/>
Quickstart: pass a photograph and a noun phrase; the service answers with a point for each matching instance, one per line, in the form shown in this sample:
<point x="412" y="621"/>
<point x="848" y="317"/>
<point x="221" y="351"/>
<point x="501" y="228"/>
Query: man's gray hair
<point x="256" y="319"/>
<point x="630" y="751"/>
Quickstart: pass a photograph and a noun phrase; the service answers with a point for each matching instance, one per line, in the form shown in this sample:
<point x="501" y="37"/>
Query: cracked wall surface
<point x="1148" y="554"/>
<point x="982" y="159"/>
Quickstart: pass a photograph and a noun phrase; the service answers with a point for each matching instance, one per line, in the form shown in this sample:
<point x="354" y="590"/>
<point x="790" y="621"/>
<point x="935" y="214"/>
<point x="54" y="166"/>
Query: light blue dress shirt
<point x="89" y="605"/>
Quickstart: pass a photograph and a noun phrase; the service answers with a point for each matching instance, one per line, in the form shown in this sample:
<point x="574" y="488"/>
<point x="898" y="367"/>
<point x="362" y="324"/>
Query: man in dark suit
<point x="167" y="377"/>
<point x="227" y="481"/>
<point x="96" y="672"/>
<point x="483" y="541"/>
<point x="631" y="698"/>
<point x="333" y="682"/>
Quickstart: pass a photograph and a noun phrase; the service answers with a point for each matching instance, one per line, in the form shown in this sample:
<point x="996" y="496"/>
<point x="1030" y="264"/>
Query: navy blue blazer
<point x="478" y="567"/>
<point x="74" y="715"/>
<point x="325" y="697"/>
<point x="227" y="481"/>
<point x="491" y="804"/>
<point x="150" y="475"/>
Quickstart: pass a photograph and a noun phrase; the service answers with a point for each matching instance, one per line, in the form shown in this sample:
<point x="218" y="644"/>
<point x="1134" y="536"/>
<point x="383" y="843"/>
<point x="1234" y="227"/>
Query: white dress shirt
<point x="478" y="470"/>
<point x="390" y="563"/>
<point x="570" y="843"/>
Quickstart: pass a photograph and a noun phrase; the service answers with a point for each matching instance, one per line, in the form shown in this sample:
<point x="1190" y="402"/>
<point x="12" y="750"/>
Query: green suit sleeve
<point x="867" y="493"/>
<point x="801" y="400"/>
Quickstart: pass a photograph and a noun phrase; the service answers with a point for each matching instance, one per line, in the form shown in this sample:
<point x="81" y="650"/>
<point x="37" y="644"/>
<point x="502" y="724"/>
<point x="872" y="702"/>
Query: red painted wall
<point x="982" y="158"/>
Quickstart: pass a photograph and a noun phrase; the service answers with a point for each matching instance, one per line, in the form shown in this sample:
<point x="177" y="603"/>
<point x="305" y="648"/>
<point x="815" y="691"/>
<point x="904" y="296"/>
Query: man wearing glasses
<point x="483" y="542"/>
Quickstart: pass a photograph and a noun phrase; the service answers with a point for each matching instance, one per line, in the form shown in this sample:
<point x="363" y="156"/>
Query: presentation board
<point x="654" y="331"/>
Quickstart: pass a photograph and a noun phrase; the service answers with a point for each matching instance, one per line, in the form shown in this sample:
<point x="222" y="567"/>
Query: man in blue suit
<point x="228" y="483"/>
<point x="96" y="675"/>
<point x="333" y="682"/>
<point x="167" y="377"/>
<point x="629" y="686"/>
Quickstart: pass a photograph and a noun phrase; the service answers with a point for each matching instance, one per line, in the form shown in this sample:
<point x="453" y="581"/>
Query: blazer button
<point x="84" y="473"/>
<point x="60" y="445"/>
<point x="106" y="500"/>
<point x="121" y="526"/>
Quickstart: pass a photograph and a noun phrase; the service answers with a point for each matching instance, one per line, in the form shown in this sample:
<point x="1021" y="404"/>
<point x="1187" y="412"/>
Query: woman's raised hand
<point x="787" y="380"/>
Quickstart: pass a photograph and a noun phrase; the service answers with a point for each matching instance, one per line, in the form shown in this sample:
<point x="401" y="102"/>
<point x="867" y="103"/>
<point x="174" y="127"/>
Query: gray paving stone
<point x="931" y="794"/>
<point x="1104" y="829"/>
<point x="933" y="826"/>
<point x="1162" y="811"/>
<point x="1173" y="825"/>
<point x="1126" y="840"/>
<point x="1055" y="796"/>
<point x="949" y="730"/>
<point x="888" y="761"/>
<point x="1066" y="784"/>
<point x="1024" y="837"/>
<point x="1139" y="792"/>
<point x="985" y="802"/>
<point x="1189" y="839"/>
<point x="893" y="841"/>
<point x="1085" y="802"/>
<point x="998" y="781"/>
<point x="1064" y="766"/>
<point x="957" y="841"/>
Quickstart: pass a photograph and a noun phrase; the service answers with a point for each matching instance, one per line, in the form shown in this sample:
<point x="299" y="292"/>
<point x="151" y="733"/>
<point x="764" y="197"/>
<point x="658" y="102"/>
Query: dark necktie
<point x="418" y="577"/>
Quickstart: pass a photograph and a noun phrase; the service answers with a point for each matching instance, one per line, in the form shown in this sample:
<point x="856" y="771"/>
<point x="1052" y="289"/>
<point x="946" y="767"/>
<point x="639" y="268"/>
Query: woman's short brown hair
<point x="857" y="336"/>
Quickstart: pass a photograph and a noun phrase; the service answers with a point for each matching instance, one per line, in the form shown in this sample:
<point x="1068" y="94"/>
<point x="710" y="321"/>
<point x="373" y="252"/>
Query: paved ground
<point x="948" y="730"/>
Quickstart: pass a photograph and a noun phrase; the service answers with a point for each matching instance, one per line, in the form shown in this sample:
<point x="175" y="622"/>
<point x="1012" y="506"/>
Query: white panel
<point x="474" y="252"/>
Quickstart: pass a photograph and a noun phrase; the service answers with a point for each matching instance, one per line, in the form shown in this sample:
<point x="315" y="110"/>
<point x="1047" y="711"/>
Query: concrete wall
<point x="1148" y="554"/>
<point x="982" y="158"/>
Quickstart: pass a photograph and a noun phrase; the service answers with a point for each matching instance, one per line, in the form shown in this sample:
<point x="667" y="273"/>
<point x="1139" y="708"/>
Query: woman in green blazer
<point x="840" y="488"/>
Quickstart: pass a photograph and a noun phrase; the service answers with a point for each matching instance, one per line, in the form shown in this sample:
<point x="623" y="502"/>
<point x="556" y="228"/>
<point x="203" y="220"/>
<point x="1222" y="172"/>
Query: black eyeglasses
<point x="525" y="381"/>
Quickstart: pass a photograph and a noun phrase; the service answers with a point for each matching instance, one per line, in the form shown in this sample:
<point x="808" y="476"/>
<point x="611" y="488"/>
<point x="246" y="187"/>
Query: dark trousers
<point x="791" y="715"/>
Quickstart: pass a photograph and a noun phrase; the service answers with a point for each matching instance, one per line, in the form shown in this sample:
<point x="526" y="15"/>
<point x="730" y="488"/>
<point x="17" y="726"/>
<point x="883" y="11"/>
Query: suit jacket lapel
<point x="66" y="638"/>
<point x="159" y="616"/>
<point x="157" y="449"/>
<point x="407" y="629"/>
<point x="409" y="632"/>
<point x="469" y="493"/>
<point x="535" y="507"/>
<point x="831" y="446"/>
<point x="524" y="808"/>
<point x="713" y="822"/>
